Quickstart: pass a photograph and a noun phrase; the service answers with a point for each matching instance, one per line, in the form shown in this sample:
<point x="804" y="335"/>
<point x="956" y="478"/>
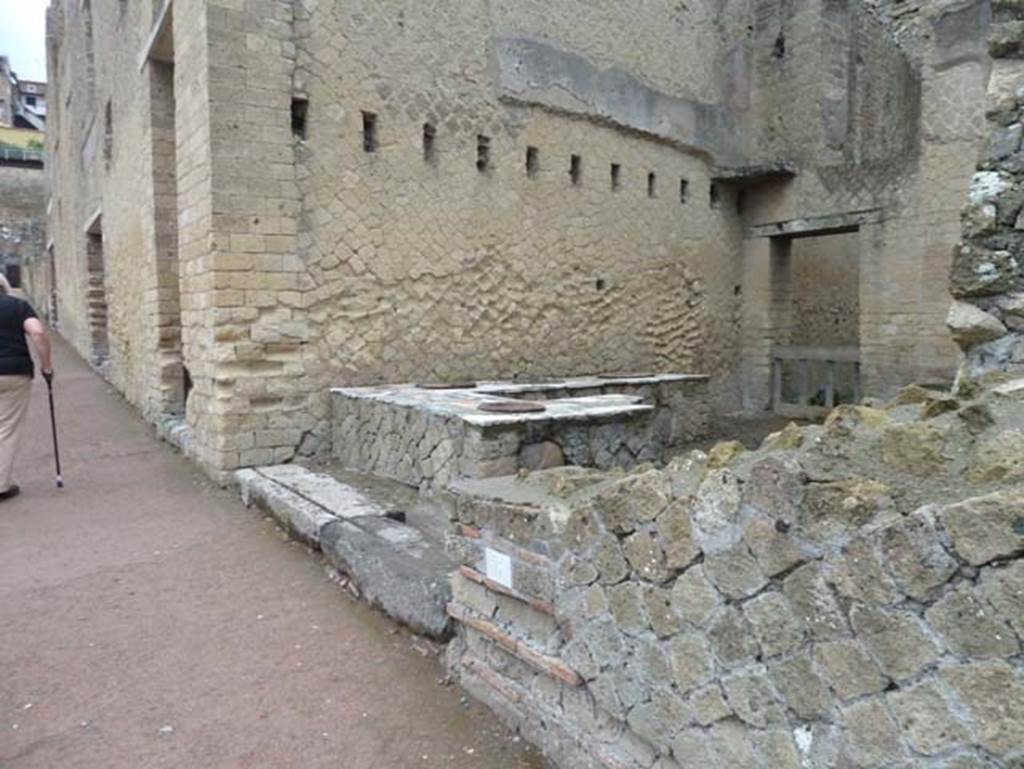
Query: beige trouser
<point x="15" y="394"/>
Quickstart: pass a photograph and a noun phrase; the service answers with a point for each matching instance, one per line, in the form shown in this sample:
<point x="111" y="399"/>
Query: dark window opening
<point x="429" y="143"/>
<point x="576" y="170"/>
<point x="108" y="134"/>
<point x="741" y="201"/>
<point x="369" y="132"/>
<point x="779" y="50"/>
<point x="652" y="185"/>
<point x="714" y="197"/>
<point x="684" y="188"/>
<point x="30" y="101"/>
<point x="186" y="383"/>
<point x="483" y="153"/>
<point x="616" y="177"/>
<point x="599" y="284"/>
<point x="532" y="162"/>
<point x="300" y="113"/>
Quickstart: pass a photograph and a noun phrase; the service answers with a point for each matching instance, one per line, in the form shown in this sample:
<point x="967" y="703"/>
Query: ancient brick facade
<point x="266" y="198"/>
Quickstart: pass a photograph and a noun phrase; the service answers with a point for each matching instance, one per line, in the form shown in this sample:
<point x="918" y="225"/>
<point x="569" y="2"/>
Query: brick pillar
<point x="246" y="330"/>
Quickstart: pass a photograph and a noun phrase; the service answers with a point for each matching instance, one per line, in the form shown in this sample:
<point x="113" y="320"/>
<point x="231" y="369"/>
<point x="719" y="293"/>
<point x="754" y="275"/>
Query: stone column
<point x="987" y="278"/>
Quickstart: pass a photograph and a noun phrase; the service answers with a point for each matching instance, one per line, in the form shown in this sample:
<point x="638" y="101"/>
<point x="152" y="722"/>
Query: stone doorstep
<point x="395" y="567"/>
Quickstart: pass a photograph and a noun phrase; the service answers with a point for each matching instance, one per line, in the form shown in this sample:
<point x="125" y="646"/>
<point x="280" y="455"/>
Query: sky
<point x="23" y="36"/>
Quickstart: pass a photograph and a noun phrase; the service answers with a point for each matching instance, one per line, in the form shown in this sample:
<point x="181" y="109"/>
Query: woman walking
<point x="18" y="323"/>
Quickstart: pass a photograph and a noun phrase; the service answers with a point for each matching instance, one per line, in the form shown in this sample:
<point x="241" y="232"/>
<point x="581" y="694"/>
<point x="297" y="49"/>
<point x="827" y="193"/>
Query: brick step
<point x="518" y="647"/>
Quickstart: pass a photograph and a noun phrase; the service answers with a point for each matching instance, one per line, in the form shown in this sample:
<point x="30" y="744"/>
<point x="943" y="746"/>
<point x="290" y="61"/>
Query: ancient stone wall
<point x="23" y="221"/>
<point x="872" y="126"/>
<point x="987" y="276"/>
<point x="847" y="596"/>
<point x="434" y="263"/>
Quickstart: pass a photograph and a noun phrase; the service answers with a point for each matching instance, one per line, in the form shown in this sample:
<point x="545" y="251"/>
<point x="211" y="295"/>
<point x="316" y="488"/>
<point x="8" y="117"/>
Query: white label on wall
<point x="498" y="567"/>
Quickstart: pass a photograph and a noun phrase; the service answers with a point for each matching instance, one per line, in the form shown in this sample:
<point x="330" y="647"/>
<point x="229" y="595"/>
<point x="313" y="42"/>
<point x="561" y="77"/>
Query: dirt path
<point x="148" y="620"/>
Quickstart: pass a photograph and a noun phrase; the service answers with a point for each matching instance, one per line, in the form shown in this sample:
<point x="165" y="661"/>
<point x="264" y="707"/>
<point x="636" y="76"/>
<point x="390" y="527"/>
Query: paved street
<point x="147" y="619"/>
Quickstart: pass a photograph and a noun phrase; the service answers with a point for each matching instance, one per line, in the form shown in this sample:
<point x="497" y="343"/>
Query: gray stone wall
<point x="22" y="217"/>
<point x="847" y="596"/>
<point x="987" y="277"/>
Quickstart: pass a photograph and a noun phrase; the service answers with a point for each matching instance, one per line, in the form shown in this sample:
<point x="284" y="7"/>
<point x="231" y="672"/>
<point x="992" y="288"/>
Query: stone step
<point x="399" y="567"/>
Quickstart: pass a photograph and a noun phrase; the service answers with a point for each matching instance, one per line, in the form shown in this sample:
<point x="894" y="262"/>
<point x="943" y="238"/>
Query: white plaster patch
<point x="498" y="567"/>
<point x="986" y="185"/>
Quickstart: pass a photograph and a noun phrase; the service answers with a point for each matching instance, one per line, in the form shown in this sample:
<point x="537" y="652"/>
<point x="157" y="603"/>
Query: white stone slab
<point x="342" y="500"/>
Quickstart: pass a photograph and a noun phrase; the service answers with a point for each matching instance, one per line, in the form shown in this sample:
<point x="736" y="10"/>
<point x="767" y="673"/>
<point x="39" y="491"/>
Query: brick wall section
<point x="253" y="392"/>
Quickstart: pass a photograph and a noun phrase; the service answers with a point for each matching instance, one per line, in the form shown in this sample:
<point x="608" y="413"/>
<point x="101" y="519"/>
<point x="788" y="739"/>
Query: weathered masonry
<point x="255" y="201"/>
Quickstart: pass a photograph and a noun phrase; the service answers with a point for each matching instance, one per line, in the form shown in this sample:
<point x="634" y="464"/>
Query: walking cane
<point x="53" y="426"/>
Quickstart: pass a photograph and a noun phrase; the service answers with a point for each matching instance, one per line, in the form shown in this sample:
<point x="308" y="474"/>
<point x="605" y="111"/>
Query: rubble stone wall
<point x="847" y="596"/>
<point x="987" y="276"/>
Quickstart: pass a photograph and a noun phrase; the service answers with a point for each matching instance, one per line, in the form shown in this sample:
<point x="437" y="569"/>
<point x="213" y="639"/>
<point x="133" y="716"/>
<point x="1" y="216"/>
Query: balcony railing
<point x="822" y="377"/>
<point x="19" y="155"/>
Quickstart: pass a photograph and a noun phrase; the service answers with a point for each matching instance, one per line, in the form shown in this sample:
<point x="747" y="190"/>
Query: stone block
<point x="1004" y="590"/>
<point x="686" y="473"/>
<point x="926" y="719"/>
<point x="970" y="325"/>
<point x="986" y="528"/>
<point x="915" y="555"/>
<point x="626" y="604"/>
<point x="709" y="704"/>
<point x="604" y="642"/>
<point x="731" y="745"/>
<point x="778" y="629"/>
<point x="633" y="501"/>
<point x="777" y="749"/>
<point x="751" y="695"/>
<point x="896" y="638"/>
<point x="771" y="544"/>
<point x="802" y="690"/>
<point x="814" y="603"/>
<point x="690" y="748"/>
<point x="915" y="448"/>
<point x="968" y="626"/>
<point x="837" y="510"/>
<point x="691" y="661"/>
<point x="734" y="572"/>
<point x="663" y="617"/>
<point x="660" y="720"/>
<point x="694" y="598"/>
<point x="611" y="564"/>
<point x="870" y="738"/>
<point x="775" y="488"/>
<point x="716" y="510"/>
<point x="651" y="662"/>
<point x="857" y="573"/>
<point x="849" y="669"/>
<point x="643" y="552"/>
<point x="998" y="458"/>
<point x="675" y="535"/>
<point x="731" y="638"/>
<point x="993" y="693"/>
<point x="541" y="456"/>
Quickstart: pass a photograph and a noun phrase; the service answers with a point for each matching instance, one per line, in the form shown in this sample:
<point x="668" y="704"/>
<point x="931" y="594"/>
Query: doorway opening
<point x="96" y="293"/>
<point x="815" y="312"/>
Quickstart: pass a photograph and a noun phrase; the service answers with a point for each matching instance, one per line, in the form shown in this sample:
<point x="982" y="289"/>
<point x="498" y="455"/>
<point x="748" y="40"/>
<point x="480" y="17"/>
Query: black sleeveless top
<point x="15" y="359"/>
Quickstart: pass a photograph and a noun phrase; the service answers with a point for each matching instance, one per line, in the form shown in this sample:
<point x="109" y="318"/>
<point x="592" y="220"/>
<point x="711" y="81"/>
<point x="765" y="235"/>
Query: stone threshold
<point x="395" y="567"/>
